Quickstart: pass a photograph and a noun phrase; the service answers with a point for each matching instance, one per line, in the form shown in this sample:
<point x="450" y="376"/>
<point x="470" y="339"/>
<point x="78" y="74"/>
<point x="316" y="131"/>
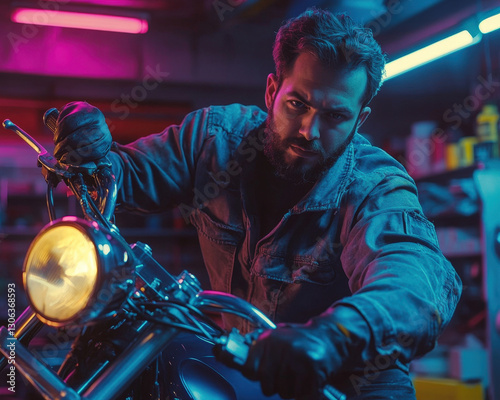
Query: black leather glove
<point x="297" y="360"/>
<point x="82" y="134"/>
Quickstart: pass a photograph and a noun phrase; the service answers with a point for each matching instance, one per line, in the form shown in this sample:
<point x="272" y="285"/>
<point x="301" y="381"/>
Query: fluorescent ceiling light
<point x="67" y="19"/>
<point x="490" y="24"/>
<point x="429" y="53"/>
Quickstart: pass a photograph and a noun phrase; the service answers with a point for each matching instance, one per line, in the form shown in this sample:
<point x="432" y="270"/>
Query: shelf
<point x="457" y="241"/>
<point x="455" y="220"/>
<point x="13" y="233"/>
<point x="459" y="173"/>
<point x="446" y="176"/>
<point x="170" y="233"/>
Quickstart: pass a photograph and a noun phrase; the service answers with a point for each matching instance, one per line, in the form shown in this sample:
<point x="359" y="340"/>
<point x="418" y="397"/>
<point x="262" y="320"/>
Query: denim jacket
<point x="357" y="247"/>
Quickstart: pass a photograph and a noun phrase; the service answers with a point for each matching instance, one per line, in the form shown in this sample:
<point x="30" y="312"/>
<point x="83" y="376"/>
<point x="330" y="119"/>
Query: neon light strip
<point x="490" y="24"/>
<point x="427" y="54"/>
<point x="67" y="19"/>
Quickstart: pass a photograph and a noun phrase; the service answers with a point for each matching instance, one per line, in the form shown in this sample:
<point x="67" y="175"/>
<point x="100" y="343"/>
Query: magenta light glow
<point x="68" y="19"/>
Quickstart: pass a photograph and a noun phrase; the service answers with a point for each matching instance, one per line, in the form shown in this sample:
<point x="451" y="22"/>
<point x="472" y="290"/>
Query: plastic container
<point x="452" y="156"/>
<point x="467" y="145"/>
<point x="438" y="156"/>
<point x="487" y="127"/>
<point x="420" y="148"/>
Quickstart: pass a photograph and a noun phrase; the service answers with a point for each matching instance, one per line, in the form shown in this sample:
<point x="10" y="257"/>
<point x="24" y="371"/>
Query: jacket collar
<point x="328" y="191"/>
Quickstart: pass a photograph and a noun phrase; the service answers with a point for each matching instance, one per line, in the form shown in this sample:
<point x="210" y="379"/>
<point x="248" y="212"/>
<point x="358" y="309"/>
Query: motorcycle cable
<point x="183" y="326"/>
<point x="192" y="310"/>
<point x="186" y="314"/>
<point x="223" y="310"/>
<point x="50" y="201"/>
<point x="79" y="188"/>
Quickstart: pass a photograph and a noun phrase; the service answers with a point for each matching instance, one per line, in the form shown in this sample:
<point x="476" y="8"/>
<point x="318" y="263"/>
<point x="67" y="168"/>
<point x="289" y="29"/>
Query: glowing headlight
<point x="70" y="272"/>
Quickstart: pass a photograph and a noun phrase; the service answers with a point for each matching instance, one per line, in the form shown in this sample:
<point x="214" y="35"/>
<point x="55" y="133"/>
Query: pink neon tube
<point x="67" y="19"/>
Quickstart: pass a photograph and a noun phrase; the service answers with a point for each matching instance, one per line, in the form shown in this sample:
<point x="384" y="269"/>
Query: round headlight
<point x="70" y="272"/>
<point x="61" y="272"/>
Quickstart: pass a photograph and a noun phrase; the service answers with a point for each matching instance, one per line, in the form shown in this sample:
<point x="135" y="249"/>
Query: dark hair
<point x="335" y="39"/>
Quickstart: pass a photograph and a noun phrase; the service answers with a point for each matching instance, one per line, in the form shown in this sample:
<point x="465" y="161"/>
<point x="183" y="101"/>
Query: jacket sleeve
<point x="404" y="291"/>
<point x="157" y="171"/>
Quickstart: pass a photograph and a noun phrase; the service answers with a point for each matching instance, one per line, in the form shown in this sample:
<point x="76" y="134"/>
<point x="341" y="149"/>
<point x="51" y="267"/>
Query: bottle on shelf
<point x="420" y="148"/>
<point x="466" y="145"/>
<point x="487" y="133"/>
<point x="453" y="148"/>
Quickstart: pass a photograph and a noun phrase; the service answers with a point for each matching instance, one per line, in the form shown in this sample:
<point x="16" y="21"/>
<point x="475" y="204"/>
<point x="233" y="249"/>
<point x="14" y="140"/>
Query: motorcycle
<point x="142" y="332"/>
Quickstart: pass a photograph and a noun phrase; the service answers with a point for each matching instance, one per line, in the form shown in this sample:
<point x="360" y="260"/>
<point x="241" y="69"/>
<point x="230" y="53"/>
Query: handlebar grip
<point x="100" y="170"/>
<point x="233" y="351"/>
<point x="50" y="119"/>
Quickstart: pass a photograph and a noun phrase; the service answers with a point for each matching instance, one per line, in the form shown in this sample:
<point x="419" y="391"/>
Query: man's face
<point x="312" y="117"/>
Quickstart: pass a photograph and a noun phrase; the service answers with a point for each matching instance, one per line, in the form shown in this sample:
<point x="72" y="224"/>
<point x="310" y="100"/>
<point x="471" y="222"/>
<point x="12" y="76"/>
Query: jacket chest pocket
<point x="307" y="253"/>
<point x="219" y="243"/>
<point x="296" y="268"/>
<point x="295" y="288"/>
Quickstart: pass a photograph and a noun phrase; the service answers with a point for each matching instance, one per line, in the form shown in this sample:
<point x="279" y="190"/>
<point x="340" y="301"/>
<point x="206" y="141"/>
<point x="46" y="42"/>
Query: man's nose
<point x="310" y="125"/>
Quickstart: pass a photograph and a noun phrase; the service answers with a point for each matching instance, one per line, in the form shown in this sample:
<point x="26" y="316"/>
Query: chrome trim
<point x="209" y="300"/>
<point x="129" y="364"/>
<point x="27" y="325"/>
<point x="38" y="374"/>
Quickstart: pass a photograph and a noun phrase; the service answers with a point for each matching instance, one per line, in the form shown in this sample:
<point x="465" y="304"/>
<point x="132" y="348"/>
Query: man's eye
<point x="336" y="116"/>
<point x="298" y="105"/>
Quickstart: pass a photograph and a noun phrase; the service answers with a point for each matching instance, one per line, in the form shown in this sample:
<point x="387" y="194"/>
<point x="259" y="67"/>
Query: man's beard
<point x="298" y="172"/>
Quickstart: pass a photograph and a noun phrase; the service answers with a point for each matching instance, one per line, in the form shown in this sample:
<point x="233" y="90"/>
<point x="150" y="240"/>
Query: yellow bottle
<point x="452" y="156"/>
<point x="487" y="127"/>
<point x="466" y="150"/>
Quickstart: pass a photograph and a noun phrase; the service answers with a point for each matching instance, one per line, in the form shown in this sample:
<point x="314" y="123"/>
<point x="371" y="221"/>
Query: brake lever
<point x="44" y="157"/>
<point x="233" y="350"/>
